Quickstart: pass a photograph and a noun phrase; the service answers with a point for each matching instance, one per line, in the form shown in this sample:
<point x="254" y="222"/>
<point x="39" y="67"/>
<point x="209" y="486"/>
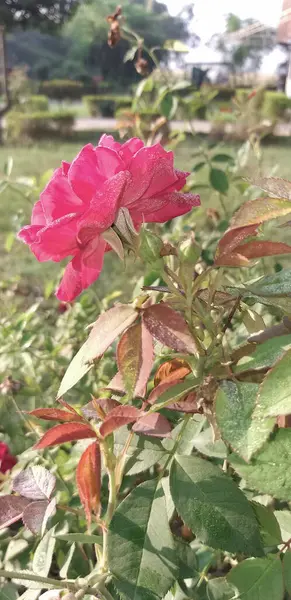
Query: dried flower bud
<point x="114" y="34"/>
<point x="142" y="66"/>
<point x="9" y="385"/>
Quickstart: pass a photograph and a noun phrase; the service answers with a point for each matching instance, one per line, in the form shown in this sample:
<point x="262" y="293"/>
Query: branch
<point x="47" y="581"/>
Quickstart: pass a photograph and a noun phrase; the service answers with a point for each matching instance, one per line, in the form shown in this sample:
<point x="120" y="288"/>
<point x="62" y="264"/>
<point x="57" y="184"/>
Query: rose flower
<point x="84" y="198"/>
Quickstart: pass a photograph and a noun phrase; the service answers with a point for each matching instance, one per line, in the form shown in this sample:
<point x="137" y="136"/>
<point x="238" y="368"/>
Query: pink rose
<point x="7" y="460"/>
<point x="83" y="199"/>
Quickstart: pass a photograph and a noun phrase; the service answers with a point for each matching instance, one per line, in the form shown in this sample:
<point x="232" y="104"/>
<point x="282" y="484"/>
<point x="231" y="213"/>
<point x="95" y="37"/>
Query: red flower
<point x="7" y="461"/>
<point x="83" y="199"/>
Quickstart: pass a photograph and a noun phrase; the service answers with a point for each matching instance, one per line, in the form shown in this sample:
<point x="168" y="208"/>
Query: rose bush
<point x="84" y="199"/>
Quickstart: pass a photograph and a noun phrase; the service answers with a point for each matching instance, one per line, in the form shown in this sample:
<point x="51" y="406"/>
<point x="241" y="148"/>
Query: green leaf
<point x="141" y="550"/>
<point x="8" y="592"/>
<point x="220" y="589"/>
<point x="234" y="407"/>
<point x="284" y="519"/>
<point x="260" y="210"/>
<point x="130" y="54"/>
<point x="187" y="561"/>
<point x="205" y="444"/>
<point x="222" y="158"/>
<point x="265" y="355"/>
<point x="274" y="396"/>
<point x="146" y="85"/>
<point x="198" y="166"/>
<point x="9" y="241"/>
<point x="219" y="180"/>
<point x="258" y="579"/>
<point x="175" y="46"/>
<point x="168" y="106"/>
<point x="8" y="166"/>
<point x="211" y="504"/>
<point x="81" y="538"/>
<point x="14" y="548"/>
<point x="187" y="440"/>
<point x="269" y="526"/>
<point x="143" y="452"/>
<point x="67" y="562"/>
<point x="278" y="284"/>
<point x="287" y="571"/>
<point x="43" y="555"/>
<point x="269" y="472"/>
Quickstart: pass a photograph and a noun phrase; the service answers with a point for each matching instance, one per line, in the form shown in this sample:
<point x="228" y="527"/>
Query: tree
<point x="248" y="53"/>
<point x="45" y="14"/>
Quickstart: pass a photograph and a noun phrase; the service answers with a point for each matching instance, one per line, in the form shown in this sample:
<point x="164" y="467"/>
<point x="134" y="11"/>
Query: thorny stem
<point x="54" y="583"/>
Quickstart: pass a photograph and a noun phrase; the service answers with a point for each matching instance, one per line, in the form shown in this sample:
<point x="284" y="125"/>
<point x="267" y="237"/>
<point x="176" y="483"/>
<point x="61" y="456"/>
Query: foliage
<point x="106" y="105"/>
<point x="30" y="126"/>
<point x="163" y="469"/>
<point x="47" y="14"/>
<point x="61" y="89"/>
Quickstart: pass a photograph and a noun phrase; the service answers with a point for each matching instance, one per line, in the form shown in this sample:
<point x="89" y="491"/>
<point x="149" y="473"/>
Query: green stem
<point x="47" y="581"/>
<point x="222" y="203"/>
<point x="177" y="442"/>
<point x="110" y="463"/>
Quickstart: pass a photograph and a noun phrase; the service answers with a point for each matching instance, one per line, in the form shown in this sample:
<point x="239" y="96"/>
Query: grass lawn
<point x="35" y="160"/>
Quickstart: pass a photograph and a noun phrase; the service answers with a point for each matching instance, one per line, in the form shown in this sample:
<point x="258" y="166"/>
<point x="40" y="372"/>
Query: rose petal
<point x="57" y="240"/>
<point x="174" y="205"/>
<point x="58" y="198"/>
<point x="83" y="270"/>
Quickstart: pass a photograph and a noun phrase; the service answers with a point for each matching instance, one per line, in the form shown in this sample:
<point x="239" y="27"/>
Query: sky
<point x="210" y="19"/>
<point x="210" y="14"/>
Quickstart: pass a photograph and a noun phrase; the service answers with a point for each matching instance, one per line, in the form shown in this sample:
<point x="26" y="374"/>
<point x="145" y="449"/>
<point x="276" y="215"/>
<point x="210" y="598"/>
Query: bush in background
<point x="31" y="126"/>
<point x="62" y="89"/>
<point x="105" y="105"/>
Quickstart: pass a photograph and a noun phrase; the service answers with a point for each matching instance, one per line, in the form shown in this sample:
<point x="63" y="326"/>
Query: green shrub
<point x="41" y="124"/>
<point x="105" y="105"/>
<point x="275" y="105"/>
<point x="36" y="104"/>
<point x="62" y="89"/>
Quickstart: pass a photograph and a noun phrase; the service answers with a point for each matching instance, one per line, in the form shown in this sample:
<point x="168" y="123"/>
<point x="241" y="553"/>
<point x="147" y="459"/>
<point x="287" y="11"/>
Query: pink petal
<point x="103" y="208"/>
<point x="130" y="148"/>
<point x="83" y="175"/>
<point x="28" y="234"/>
<point x="57" y="240"/>
<point x="175" y="205"/>
<point x="38" y="216"/>
<point x="65" y="167"/>
<point x="108" y="141"/>
<point x="58" y="198"/>
<point x="82" y="271"/>
<point x="91" y="168"/>
<point x="152" y="173"/>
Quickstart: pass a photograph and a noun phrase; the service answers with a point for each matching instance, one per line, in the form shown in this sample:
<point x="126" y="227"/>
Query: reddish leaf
<point x="258" y="249"/>
<point x="233" y="237"/>
<point x="168" y="327"/>
<point x="98" y="408"/>
<point x="135" y="358"/>
<point x="232" y="260"/>
<point x="119" y="416"/>
<point x="154" y="424"/>
<point x="160" y="389"/>
<point x="35" y="482"/>
<point x="11" y="509"/>
<point x="188" y="404"/>
<point x="260" y="210"/>
<point x="67" y="432"/>
<point x="172" y="370"/>
<point x="129" y="357"/>
<point x="55" y="414"/>
<point x="35" y="514"/>
<point x="147" y="349"/>
<point x="284" y="421"/>
<point x="89" y="480"/>
<point x="116" y="384"/>
<point x="280" y="188"/>
<point x="106" y="329"/>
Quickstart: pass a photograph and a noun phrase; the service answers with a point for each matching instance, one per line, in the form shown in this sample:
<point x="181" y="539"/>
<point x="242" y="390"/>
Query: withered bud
<point x="168" y="250"/>
<point x="9" y="385"/>
<point x="142" y="66"/>
<point x="114" y="34"/>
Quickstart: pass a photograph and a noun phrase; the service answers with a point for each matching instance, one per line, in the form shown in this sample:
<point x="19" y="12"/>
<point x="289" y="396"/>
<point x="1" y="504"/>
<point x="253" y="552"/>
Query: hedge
<point x="36" y="104"/>
<point x="273" y="104"/>
<point x="41" y="124"/>
<point x="105" y="105"/>
<point x="62" y="89"/>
